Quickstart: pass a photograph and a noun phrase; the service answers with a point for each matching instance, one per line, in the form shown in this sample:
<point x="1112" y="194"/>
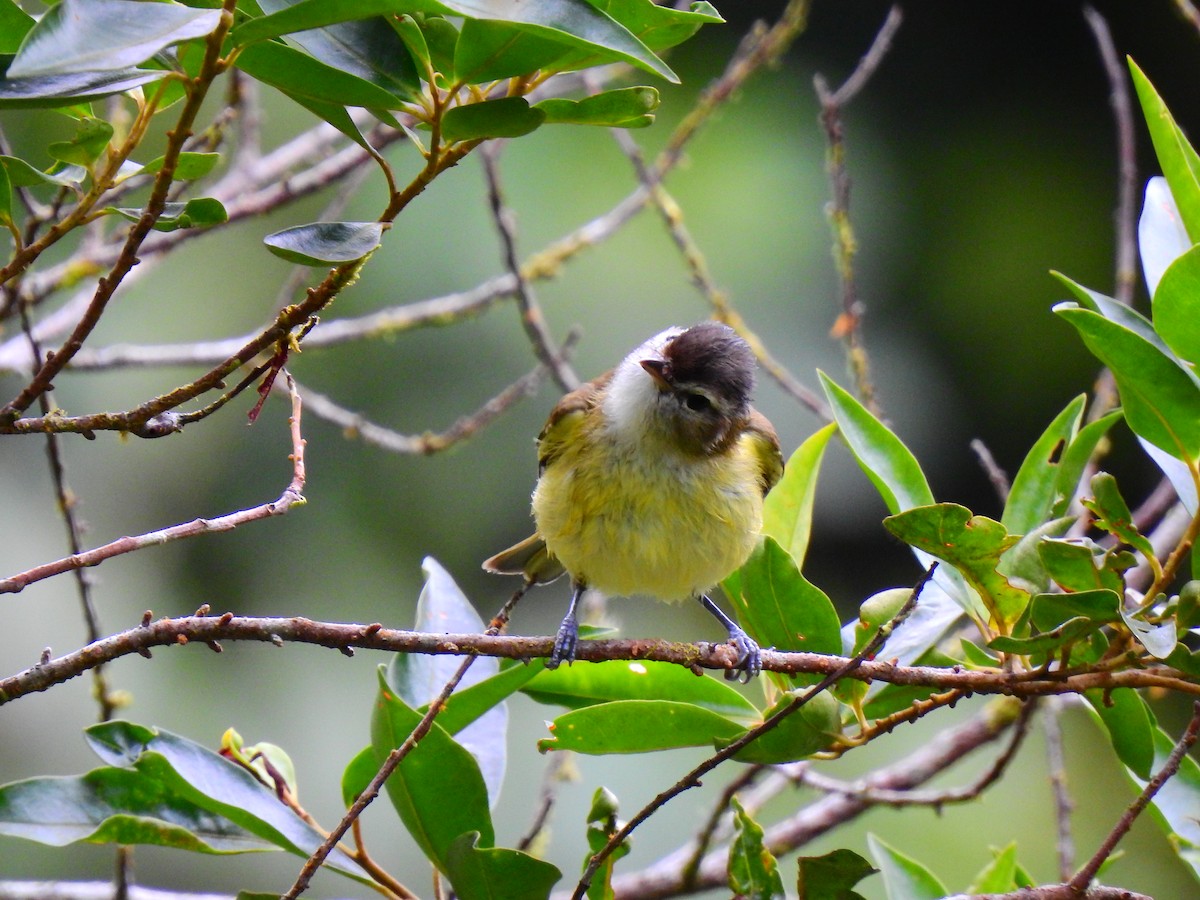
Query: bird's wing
<point x="567" y="417"/>
<point x="765" y="443"/>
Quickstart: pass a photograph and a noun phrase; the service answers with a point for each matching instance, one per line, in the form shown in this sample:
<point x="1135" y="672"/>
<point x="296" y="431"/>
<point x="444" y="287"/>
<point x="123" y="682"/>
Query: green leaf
<point x="973" y="545"/>
<point x="787" y="511"/>
<point x="199" y="212"/>
<point x="1023" y="566"/>
<point x="207" y="780"/>
<point x="1080" y="565"/>
<point x="1101" y="606"/>
<point x="630" y="107"/>
<point x="22" y="174"/>
<point x="1048" y="642"/>
<point x="14" y="25"/>
<point x="1113" y="514"/>
<point x="289" y="16"/>
<point x="1177" y="306"/>
<point x="480" y="721"/>
<point x="441" y="37"/>
<point x="779" y="607"/>
<point x="1037" y="488"/>
<point x="358" y="774"/>
<point x="77" y="36"/>
<point x="48" y="91"/>
<point x="1000" y="875"/>
<point x="1159" y="640"/>
<point x="904" y="877"/>
<point x="413" y="38"/>
<point x="809" y="730"/>
<point x="116" y="806"/>
<point x="602" y="824"/>
<point x="335" y="115"/>
<point x="576" y="23"/>
<point x="497" y="873"/>
<point x="832" y="876"/>
<point x="586" y="684"/>
<point x="1130" y="727"/>
<point x="753" y="871"/>
<point x="368" y="48"/>
<point x="1174" y="806"/>
<point x="507" y="117"/>
<point x="1161" y="399"/>
<point x="325" y="243"/>
<point x="638" y="726"/>
<point x="488" y="51"/>
<point x="1175" y="154"/>
<point x="188" y="167"/>
<point x="5" y="197"/>
<point x="91" y="139"/>
<point x="438" y="768"/>
<point x="298" y="74"/>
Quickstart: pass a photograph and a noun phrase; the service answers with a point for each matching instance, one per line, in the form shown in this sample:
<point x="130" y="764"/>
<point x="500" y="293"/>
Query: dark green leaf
<point x="1175" y="154"/>
<point x="832" y="876"/>
<point x="1079" y="566"/>
<point x="1100" y="606"/>
<point x="1035" y="488"/>
<point x="325" y="243"/>
<point x="780" y="608"/>
<point x="410" y="34"/>
<point x="497" y="873"/>
<point x="586" y="684"/>
<point x="289" y="16"/>
<point x="1113" y="515"/>
<point x="207" y="780"/>
<point x="90" y="140"/>
<point x="1177" y="306"/>
<point x="441" y="37"/>
<point x="638" y="726"/>
<point x="22" y="174"/>
<point x="904" y="877"/>
<point x="335" y="115"/>
<point x="189" y="166"/>
<point x="602" y="824"/>
<point x="787" y="511"/>
<point x="366" y="47"/>
<point x="77" y="36"/>
<point x="506" y="117"/>
<point x="488" y="50"/>
<point x="1130" y="727"/>
<point x="14" y="25"/>
<point x="48" y="91"/>
<point x="358" y="774"/>
<point x="630" y="107"/>
<point x="438" y="768"/>
<point x="200" y="212"/>
<point x="298" y="74"/>
<point x="973" y="545"/>
<point x="1160" y="397"/>
<point x="809" y="730"/>
<point x="1048" y="642"/>
<point x="752" y="869"/>
<point x="115" y="806"/>
<point x="1023" y="566"/>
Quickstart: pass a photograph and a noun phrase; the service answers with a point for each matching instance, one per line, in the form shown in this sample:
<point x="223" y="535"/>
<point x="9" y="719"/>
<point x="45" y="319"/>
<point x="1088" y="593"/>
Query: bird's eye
<point x="697" y="402"/>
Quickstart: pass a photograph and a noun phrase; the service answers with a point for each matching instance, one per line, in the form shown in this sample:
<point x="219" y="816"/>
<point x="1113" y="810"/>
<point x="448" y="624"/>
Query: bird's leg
<point x="749" y="662"/>
<point x="568" y="631"/>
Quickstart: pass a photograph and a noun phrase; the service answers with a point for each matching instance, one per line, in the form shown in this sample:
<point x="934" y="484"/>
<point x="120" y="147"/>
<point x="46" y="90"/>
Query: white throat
<point x="632" y="396"/>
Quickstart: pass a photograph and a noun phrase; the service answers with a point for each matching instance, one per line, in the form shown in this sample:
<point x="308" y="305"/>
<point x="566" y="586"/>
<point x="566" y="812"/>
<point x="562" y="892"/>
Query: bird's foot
<point x="749" y="658"/>
<point x="564" y="643"/>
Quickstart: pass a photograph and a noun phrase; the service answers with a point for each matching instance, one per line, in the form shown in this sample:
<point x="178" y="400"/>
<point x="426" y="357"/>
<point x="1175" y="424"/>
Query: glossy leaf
<point x="325" y="243"/>
<point x="205" y="779"/>
<point x="296" y="73"/>
<point x="438" y="768"/>
<point x="1158" y="639"/>
<point x="48" y="91"/>
<point x="586" y="684"/>
<point x="1113" y="514"/>
<point x="638" y="726"/>
<point x="22" y="174"/>
<point x="358" y="774"/>
<point x="488" y="51"/>
<point x="418" y="678"/>
<point x="1080" y="565"/>
<point x="1162" y="239"/>
<point x="77" y="36"/>
<point x="14" y="25"/>
<point x="973" y="545"/>
<point x="1048" y="643"/>
<point x="787" y="511"/>
<point x="90" y="140"/>
<point x="507" y="117"/>
<point x="1023" y="565"/>
<point x="199" y="212"/>
<point x="289" y="16"/>
<point x="832" y="876"/>
<point x="413" y="38"/>
<point x="367" y="47"/>
<point x="904" y="877"/>
<point x="188" y="167"/>
<point x="1174" y="806"/>
<point x="1130" y="727"/>
<point x="1178" y="473"/>
<point x="1177" y="306"/>
<point x="1100" y="606"/>
<point x="809" y="730"/>
<point x="116" y="806"/>
<point x="497" y="873"/>
<point x="467" y="705"/>
<point x="752" y="869"/>
<point x="1160" y="398"/>
<point x="1175" y="155"/>
<point x="332" y="113"/>
<point x="630" y="107"/>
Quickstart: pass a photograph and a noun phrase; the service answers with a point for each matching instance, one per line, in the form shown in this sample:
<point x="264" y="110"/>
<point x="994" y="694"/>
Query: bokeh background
<point x="982" y="156"/>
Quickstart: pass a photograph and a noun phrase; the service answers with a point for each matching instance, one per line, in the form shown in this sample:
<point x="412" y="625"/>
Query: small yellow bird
<point x="651" y="481"/>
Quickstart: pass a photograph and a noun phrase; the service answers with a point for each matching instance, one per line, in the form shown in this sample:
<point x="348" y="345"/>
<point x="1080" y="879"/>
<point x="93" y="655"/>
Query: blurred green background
<point x="982" y="156"/>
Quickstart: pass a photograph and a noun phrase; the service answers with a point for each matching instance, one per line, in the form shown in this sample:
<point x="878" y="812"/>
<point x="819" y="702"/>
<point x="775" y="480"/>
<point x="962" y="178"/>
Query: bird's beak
<point x="658" y="370"/>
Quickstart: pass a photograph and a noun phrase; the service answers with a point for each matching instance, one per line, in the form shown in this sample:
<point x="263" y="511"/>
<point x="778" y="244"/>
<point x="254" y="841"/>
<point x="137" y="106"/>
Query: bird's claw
<point x="564" y="643"/>
<point x="748" y="664"/>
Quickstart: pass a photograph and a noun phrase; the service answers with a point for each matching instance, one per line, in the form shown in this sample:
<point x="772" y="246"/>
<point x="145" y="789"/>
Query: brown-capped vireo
<point x="651" y="480"/>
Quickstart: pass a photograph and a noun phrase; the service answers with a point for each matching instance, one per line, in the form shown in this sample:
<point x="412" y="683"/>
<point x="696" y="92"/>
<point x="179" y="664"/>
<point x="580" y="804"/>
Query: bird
<point x="651" y="480"/>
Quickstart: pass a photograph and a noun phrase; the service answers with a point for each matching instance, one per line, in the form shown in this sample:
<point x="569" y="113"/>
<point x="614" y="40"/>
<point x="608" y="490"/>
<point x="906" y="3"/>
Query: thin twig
<point x="1083" y="877"/>
<point x="1063" y="805"/>
<point x="704" y="839"/>
<point x="533" y="320"/>
<point x="996" y="475"/>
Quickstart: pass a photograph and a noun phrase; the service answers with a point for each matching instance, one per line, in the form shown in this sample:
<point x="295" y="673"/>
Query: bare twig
<point x="996" y="475"/>
<point x="1063" y="806"/>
